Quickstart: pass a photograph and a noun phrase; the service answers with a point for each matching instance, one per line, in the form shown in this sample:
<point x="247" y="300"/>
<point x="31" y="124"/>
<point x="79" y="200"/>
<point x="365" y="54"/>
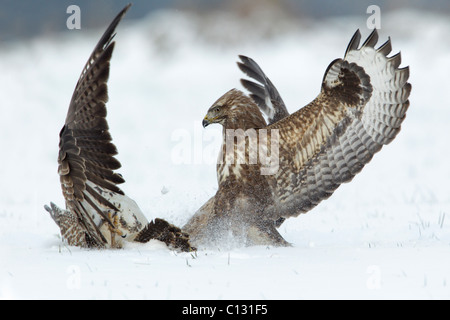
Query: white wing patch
<point x="129" y="217"/>
<point x="386" y="109"/>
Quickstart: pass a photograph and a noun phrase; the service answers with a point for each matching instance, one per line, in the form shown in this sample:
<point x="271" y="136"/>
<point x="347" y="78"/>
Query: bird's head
<point x="234" y="110"/>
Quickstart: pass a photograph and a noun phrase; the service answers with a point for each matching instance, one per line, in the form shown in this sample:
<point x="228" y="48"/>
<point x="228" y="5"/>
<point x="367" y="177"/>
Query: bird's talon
<point x="114" y="229"/>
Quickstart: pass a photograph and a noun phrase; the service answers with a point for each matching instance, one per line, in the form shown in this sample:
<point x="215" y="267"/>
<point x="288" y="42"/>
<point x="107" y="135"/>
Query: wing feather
<point x="361" y="107"/>
<point x="371" y="40"/>
<point x="86" y="150"/>
<point x="385" y="48"/>
<point x="354" y="42"/>
<point x="264" y="94"/>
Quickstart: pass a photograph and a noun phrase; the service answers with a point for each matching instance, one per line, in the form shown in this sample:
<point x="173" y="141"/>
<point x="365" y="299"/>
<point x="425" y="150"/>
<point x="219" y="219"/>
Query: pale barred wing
<point x="264" y="93"/>
<point x="86" y="156"/>
<point x="363" y="102"/>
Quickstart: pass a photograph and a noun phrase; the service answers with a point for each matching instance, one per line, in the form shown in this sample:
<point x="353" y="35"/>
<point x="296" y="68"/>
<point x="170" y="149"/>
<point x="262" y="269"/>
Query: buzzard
<point x="98" y="214"/>
<point x="361" y="106"/>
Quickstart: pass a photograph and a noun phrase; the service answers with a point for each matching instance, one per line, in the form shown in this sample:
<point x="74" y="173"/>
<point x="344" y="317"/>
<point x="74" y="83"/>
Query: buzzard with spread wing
<point x="98" y="213"/>
<point x="361" y="106"/>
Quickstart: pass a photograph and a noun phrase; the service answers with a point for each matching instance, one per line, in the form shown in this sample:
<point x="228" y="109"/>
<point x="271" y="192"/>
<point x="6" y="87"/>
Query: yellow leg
<point x="114" y="218"/>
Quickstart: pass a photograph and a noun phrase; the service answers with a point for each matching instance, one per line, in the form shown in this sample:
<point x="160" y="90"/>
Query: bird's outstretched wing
<point x="86" y="152"/>
<point x="264" y="93"/>
<point x="361" y="106"/>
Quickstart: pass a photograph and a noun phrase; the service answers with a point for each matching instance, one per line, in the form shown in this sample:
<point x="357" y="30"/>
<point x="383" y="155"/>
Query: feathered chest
<point x="232" y="159"/>
<point x="243" y="156"/>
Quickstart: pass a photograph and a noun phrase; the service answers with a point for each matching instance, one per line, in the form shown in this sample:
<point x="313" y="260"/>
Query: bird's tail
<point x="171" y="235"/>
<point x="71" y="230"/>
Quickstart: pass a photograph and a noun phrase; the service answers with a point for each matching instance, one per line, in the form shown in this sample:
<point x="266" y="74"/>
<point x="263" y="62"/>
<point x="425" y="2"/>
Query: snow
<point x="385" y="235"/>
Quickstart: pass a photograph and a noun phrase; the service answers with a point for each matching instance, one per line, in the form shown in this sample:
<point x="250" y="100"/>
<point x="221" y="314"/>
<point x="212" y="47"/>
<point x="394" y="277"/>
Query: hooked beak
<point x="206" y="122"/>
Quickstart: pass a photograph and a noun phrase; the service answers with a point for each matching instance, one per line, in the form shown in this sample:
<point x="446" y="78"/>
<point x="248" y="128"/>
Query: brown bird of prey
<point x="269" y="172"/>
<point x="98" y="213"/>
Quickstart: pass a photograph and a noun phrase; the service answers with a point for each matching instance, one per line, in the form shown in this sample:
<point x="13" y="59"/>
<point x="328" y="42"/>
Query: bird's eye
<point x="217" y="109"/>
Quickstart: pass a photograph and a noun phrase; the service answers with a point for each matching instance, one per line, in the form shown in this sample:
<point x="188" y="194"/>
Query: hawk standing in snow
<point x="361" y="105"/>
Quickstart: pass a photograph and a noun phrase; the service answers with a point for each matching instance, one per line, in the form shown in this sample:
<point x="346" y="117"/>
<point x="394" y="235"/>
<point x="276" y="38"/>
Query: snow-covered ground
<point x="384" y="235"/>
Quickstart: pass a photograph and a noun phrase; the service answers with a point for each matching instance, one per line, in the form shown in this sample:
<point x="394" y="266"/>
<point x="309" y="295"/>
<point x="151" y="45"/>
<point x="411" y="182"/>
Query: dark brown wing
<point x="265" y="94"/>
<point x="363" y="102"/>
<point x="86" y="153"/>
